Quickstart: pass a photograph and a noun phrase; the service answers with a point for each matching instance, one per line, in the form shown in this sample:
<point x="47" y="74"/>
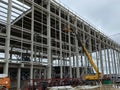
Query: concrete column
<point x="119" y="62"/>
<point x="105" y="60"/>
<point x="74" y="67"/>
<point x="40" y="57"/>
<point x="18" y="78"/>
<point x="60" y="61"/>
<point x="77" y="59"/>
<point x="40" y="73"/>
<point x="81" y="58"/>
<point x="63" y="65"/>
<point x="98" y="52"/>
<point x="90" y="45"/>
<point x="70" y="50"/>
<point x="96" y="55"/>
<point x="77" y="51"/>
<point x="108" y="56"/>
<point x="7" y="41"/>
<point x="49" y="42"/>
<point x="115" y="60"/>
<point x="61" y="68"/>
<point x="11" y="53"/>
<point x="70" y="65"/>
<point x="118" y="65"/>
<point x="45" y="73"/>
<point x="101" y="59"/>
<point x="34" y="73"/>
<point x="32" y="41"/>
<point x="85" y="58"/>
<point x="70" y="58"/>
<point x="86" y="64"/>
<point x="35" y="54"/>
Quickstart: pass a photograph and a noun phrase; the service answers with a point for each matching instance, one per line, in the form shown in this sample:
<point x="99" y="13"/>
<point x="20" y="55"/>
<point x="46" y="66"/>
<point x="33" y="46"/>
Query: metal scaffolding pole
<point x="7" y="41"/>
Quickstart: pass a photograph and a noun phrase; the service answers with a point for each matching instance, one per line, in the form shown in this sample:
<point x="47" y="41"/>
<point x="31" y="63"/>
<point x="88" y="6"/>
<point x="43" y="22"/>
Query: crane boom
<point x="98" y="75"/>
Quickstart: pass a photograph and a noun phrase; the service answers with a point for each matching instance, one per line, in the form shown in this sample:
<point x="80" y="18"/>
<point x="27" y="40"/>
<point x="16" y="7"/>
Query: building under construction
<point x="33" y="43"/>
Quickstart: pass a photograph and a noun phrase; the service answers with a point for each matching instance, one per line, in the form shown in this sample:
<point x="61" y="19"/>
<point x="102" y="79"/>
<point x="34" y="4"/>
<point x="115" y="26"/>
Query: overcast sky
<point x="103" y="14"/>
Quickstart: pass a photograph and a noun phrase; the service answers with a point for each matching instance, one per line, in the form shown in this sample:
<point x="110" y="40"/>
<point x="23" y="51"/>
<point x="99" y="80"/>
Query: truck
<point x="90" y="77"/>
<point x="4" y="82"/>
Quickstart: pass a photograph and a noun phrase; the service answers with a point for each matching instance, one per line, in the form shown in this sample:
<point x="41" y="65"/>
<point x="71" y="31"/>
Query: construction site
<point x="43" y="41"/>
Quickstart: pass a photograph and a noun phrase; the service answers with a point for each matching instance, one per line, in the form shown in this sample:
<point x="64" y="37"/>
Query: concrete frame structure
<point x="32" y="41"/>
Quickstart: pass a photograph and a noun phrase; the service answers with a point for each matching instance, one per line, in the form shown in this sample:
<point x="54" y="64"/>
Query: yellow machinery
<point x="4" y="82"/>
<point x="96" y="76"/>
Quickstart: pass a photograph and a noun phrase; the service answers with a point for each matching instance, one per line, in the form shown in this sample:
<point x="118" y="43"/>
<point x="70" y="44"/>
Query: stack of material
<point x="60" y="88"/>
<point x="86" y="87"/>
<point x="97" y="87"/>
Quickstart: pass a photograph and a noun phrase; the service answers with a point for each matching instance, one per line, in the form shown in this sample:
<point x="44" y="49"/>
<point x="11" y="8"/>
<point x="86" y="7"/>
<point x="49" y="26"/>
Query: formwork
<point x="32" y="42"/>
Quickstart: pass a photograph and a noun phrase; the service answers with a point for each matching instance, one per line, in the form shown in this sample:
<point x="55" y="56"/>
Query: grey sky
<point x="102" y="14"/>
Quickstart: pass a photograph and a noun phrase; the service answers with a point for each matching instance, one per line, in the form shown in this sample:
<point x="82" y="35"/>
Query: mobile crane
<point x="4" y="82"/>
<point x="97" y="75"/>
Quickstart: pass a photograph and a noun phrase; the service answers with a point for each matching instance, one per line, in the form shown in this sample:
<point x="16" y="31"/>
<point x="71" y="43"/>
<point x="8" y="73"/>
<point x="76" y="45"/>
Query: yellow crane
<point x="97" y="75"/>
